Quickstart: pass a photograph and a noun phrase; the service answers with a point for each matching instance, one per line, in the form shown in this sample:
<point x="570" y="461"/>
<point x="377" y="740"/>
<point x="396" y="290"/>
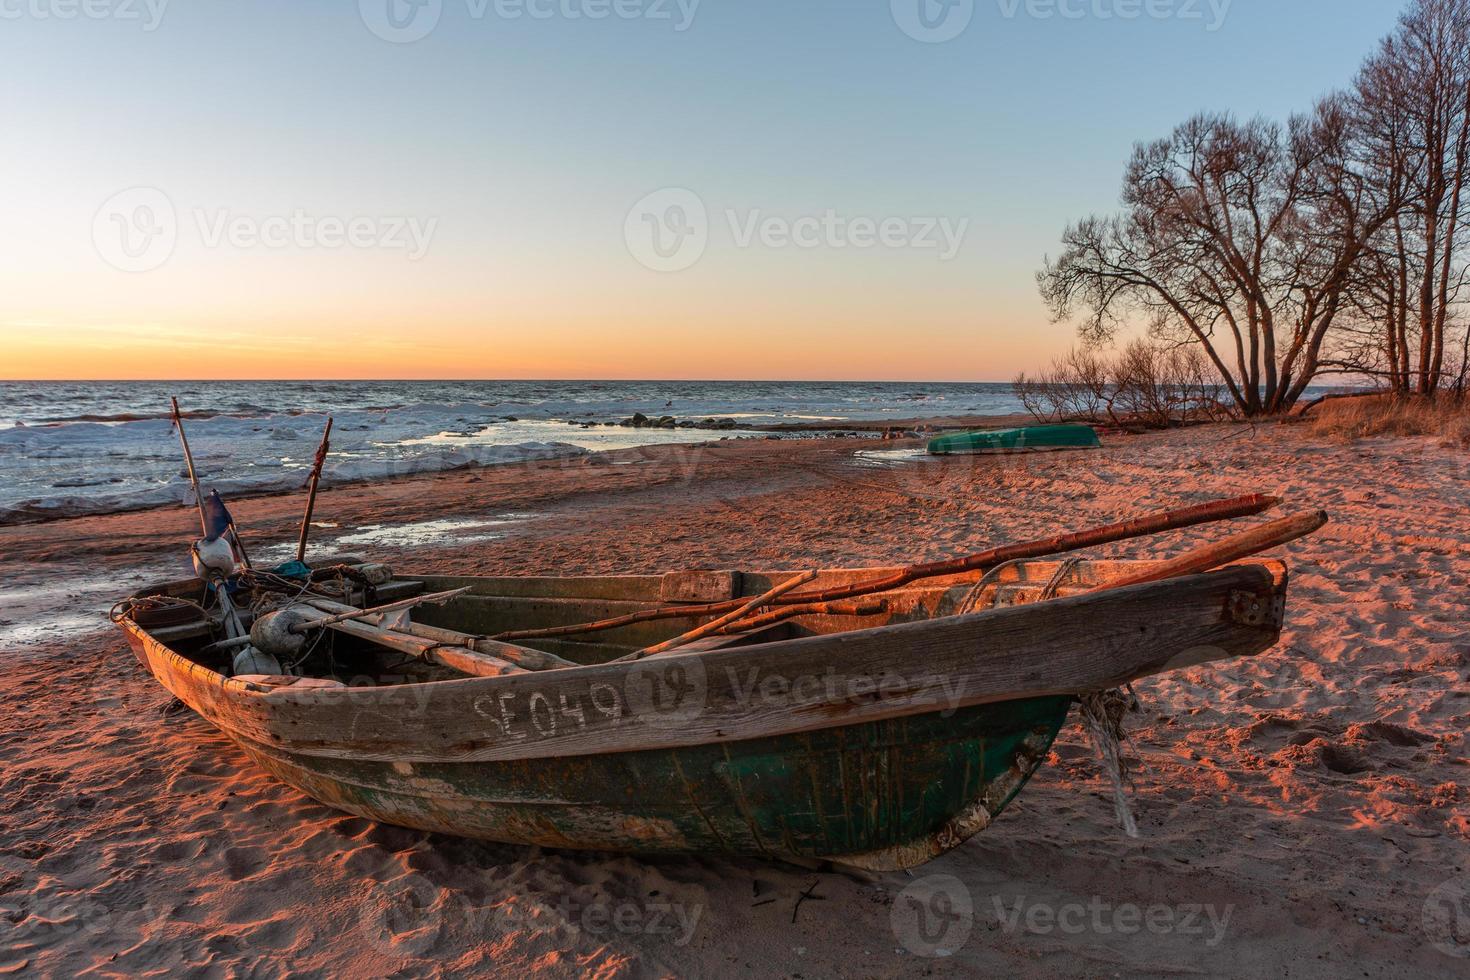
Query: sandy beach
<point x="1304" y="813"/>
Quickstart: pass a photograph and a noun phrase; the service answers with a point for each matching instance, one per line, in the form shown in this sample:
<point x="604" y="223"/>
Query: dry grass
<point x="1384" y="415"/>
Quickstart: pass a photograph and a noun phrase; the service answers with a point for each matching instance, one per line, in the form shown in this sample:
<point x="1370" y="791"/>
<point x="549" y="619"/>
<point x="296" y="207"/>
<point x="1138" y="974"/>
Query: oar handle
<point x="1223" y="552"/>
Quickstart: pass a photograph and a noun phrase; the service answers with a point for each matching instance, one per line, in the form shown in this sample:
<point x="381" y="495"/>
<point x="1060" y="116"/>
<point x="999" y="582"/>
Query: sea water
<point x="69" y="448"/>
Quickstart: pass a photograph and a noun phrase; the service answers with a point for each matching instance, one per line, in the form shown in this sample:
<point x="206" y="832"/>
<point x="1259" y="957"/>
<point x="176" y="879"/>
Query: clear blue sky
<point x="529" y="140"/>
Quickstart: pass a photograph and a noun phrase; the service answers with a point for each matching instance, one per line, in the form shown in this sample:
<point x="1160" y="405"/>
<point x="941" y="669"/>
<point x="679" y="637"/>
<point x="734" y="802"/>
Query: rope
<point x="124" y="608"/>
<point x="971" y="602"/>
<point x="1055" y="585"/>
<point x="1102" y="716"/>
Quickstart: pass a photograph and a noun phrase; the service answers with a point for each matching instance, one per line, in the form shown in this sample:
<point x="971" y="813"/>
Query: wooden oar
<point x="1199" y="560"/>
<point x="526" y="657"/>
<point x="715" y="625"/>
<point x="1231" y="549"/>
<point x="462" y="659"/>
<point x="855" y="607"/>
<point x="1218" y="510"/>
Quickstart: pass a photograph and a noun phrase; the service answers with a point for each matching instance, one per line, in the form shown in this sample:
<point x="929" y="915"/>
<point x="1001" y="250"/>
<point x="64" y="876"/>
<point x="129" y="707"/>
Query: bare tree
<point x="1240" y="237"/>
<point x="1411" y="106"/>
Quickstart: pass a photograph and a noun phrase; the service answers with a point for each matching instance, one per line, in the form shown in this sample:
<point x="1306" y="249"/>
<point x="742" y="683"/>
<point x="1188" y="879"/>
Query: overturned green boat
<point x="1036" y="438"/>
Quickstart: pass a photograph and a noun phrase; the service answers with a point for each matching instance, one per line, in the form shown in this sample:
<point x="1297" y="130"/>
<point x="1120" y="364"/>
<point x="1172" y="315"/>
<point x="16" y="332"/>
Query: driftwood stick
<point x="189" y="462"/>
<point x="715" y="625"/>
<point x="351" y="612"/>
<point x="1218" y="510"/>
<point x="316" y="478"/>
<point x="520" y="656"/>
<point x="1231" y="549"/>
<point x="859" y="607"/>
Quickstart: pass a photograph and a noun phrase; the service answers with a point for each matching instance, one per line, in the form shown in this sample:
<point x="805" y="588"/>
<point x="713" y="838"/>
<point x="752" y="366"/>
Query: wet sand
<point x="1305" y="812"/>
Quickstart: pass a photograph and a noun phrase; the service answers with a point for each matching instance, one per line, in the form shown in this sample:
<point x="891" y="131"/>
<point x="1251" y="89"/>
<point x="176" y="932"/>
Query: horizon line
<point x="203" y="380"/>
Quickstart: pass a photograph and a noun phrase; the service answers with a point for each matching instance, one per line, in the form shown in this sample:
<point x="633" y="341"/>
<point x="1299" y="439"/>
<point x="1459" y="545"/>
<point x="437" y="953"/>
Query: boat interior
<point x="182" y="615"/>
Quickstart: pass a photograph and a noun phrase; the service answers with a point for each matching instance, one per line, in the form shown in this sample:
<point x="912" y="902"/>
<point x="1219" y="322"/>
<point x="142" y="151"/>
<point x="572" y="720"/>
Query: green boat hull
<point x="884" y="794"/>
<point x="1040" y="438"/>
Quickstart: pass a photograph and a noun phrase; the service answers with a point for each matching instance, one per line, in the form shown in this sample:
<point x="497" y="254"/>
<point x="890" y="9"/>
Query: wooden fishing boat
<point x="877" y="734"/>
<point x="1032" y="439"/>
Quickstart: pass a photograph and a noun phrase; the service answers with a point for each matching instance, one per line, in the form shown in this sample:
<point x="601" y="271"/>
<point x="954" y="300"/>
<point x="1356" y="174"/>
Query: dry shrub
<point x="1348" y="419"/>
<point x="1077" y="387"/>
<point x="1142" y="385"/>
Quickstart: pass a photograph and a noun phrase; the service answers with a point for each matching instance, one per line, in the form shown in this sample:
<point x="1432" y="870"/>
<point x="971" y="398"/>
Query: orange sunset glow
<point x="633" y="336"/>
